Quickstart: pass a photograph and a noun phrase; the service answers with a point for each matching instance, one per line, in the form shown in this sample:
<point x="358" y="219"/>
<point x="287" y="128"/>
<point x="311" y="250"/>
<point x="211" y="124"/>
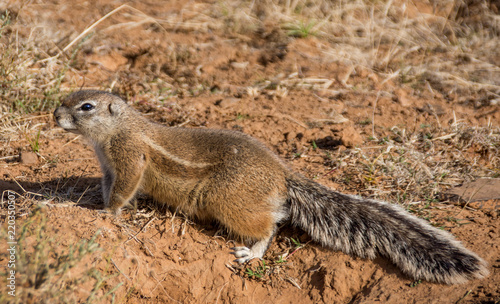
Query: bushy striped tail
<point x="368" y="228"/>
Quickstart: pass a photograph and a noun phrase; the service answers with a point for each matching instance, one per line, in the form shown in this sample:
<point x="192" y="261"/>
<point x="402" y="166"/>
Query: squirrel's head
<point x="90" y="113"/>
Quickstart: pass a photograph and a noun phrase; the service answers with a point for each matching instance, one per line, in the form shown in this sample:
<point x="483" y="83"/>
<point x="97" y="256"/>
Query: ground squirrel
<point x="235" y="180"/>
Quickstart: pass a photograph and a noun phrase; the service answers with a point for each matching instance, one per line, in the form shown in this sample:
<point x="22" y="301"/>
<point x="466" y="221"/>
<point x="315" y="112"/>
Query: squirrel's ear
<point x="116" y="107"/>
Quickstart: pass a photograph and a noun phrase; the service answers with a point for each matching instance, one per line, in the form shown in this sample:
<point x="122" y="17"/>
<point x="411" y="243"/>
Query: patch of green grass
<point x="401" y="198"/>
<point x="101" y="281"/>
<point x="35" y="142"/>
<point x="415" y="283"/>
<point x="297" y="243"/>
<point x="301" y="29"/>
<point x="258" y="272"/>
<point x="281" y="260"/>
<point x="241" y="116"/>
<point x="314" y="145"/>
<point x="365" y="122"/>
<point x="384" y="140"/>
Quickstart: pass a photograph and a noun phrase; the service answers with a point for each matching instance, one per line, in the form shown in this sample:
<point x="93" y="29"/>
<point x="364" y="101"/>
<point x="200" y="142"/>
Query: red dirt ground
<point x="173" y="260"/>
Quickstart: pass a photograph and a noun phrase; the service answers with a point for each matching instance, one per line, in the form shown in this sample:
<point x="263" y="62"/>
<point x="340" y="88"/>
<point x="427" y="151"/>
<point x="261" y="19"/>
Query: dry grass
<point x="416" y="168"/>
<point x="48" y="272"/>
<point x="27" y="83"/>
<point x="434" y="44"/>
<point x="437" y="47"/>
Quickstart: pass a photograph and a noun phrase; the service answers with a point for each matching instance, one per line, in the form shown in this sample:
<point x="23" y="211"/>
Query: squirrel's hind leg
<point x="256" y="251"/>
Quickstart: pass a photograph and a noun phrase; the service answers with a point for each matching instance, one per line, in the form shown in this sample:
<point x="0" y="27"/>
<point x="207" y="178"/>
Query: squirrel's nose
<point x="57" y="114"/>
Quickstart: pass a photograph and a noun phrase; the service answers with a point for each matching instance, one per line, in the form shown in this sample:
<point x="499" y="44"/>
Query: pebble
<point x="28" y="158"/>
<point x="351" y="138"/>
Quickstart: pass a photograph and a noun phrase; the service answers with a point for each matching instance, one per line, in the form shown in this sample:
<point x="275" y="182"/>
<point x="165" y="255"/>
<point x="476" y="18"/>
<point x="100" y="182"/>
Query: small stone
<point x="239" y="65"/>
<point x="228" y="102"/>
<point x="28" y="158"/>
<point x="112" y="61"/>
<point x="291" y="136"/>
<point x="482" y="189"/>
<point x="350" y="137"/>
<point x="402" y="97"/>
<point x="493" y="214"/>
<point x="480" y="221"/>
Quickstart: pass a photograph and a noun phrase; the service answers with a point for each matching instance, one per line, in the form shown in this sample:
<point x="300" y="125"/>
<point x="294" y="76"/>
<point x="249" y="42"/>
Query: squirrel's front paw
<point x="113" y="211"/>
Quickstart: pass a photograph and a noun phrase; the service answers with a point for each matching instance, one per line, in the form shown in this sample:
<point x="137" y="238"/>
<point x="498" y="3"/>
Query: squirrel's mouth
<point x="72" y="131"/>
<point x="67" y="126"/>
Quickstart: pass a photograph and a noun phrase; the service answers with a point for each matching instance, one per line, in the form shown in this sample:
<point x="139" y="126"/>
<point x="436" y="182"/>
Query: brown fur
<point x="233" y="179"/>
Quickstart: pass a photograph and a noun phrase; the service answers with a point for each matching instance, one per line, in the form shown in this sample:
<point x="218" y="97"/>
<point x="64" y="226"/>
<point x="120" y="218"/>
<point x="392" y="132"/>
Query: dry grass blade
<point x="95" y="24"/>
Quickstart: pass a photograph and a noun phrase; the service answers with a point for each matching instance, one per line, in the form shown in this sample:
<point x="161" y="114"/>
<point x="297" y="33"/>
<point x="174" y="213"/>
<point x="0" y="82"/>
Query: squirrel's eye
<point x="86" y="107"/>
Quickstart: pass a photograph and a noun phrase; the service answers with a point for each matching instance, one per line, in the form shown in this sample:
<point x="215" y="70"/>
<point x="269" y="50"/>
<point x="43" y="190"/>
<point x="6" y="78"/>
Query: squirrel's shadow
<point x="86" y="192"/>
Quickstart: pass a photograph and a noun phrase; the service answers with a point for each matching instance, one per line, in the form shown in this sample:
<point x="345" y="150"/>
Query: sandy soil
<point x="199" y="77"/>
